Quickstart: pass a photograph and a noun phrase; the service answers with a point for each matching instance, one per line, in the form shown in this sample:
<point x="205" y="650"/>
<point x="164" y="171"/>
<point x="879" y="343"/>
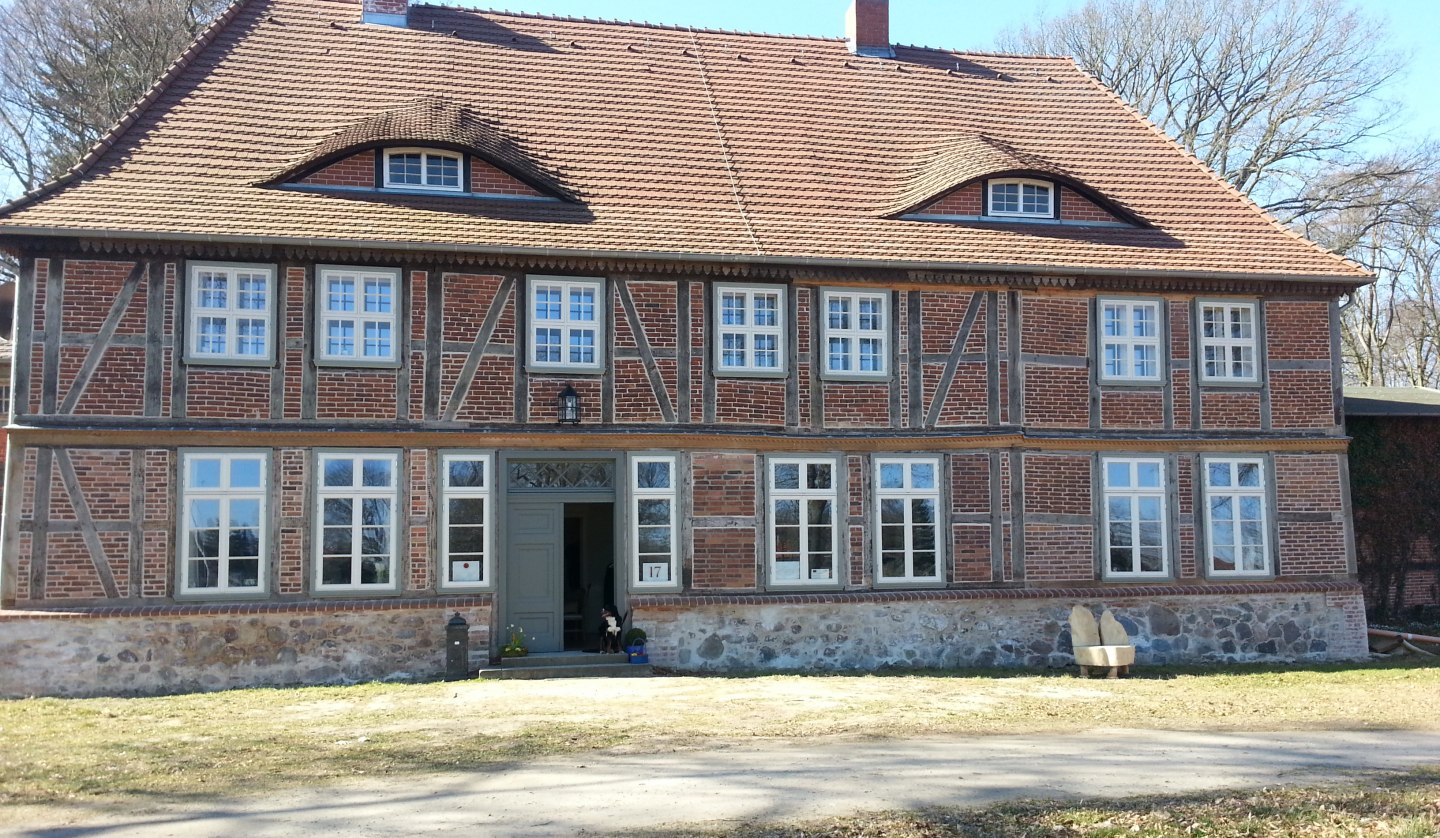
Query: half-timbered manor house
<point x="803" y="352"/>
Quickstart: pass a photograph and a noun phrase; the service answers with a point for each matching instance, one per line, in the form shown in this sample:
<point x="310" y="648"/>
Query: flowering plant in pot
<point x="635" y="645"/>
<point x="516" y="647"/>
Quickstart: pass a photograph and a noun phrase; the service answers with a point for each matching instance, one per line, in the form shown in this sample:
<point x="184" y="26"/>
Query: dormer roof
<point x="973" y="157"/>
<point x="434" y="122"/>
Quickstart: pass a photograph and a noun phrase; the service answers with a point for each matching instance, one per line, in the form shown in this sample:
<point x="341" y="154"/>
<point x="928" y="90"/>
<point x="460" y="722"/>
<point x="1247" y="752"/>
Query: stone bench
<point x="1101" y="645"/>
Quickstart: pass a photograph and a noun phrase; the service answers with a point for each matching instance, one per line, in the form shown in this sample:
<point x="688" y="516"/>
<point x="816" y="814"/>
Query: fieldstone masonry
<point x="998" y="632"/>
<point x="75" y="655"/>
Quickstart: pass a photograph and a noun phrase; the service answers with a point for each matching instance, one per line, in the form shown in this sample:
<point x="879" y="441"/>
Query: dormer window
<point x="1020" y="198"/>
<point x="420" y="168"/>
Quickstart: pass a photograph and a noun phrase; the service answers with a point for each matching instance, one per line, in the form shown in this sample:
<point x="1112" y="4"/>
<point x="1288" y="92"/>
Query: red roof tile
<point x="713" y="145"/>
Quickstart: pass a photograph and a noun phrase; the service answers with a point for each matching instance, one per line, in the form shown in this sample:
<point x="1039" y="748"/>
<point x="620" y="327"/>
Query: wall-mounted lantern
<point x="569" y="406"/>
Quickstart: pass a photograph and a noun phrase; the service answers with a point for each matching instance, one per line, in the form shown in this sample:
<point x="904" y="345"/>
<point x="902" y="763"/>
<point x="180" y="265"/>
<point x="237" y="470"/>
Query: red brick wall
<point x="1077" y="207"/>
<point x="355" y="170"/>
<point x="355" y="393"/>
<point x="750" y="401"/>
<point x="1057" y="484"/>
<point x="236" y="394"/>
<point x="1238" y="409"/>
<point x="967" y="200"/>
<point x="485" y="179"/>
<point x="1132" y="409"/>
<point x="857" y="405"/>
<point x="1306" y="484"/>
<point x="724" y="485"/>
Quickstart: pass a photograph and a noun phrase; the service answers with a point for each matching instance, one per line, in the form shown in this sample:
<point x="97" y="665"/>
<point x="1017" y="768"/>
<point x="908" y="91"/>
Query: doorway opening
<point x="589" y="586"/>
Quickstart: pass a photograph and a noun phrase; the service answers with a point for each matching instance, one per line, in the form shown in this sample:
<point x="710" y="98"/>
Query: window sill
<point x="221" y="361"/>
<point x="356" y="364"/>
<point x="857" y="377"/>
<point x="1231" y="384"/>
<point x="221" y="596"/>
<point x="731" y="373"/>
<point x="559" y="369"/>
<point x="353" y="590"/>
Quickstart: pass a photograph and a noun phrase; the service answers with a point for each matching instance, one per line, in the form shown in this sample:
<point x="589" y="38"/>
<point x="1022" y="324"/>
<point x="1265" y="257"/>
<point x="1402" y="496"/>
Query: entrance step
<point x="565" y="665"/>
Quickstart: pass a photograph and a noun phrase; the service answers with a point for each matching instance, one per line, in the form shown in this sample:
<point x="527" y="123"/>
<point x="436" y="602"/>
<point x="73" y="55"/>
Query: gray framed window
<point x="1229" y="342"/>
<point x="1136" y="524"/>
<point x="223" y="511"/>
<point x="1130" y="332"/>
<point x="1237" y="537"/>
<point x="231" y="313"/>
<point x="356" y="496"/>
<point x="357" y="316"/>
<point x="907" y="520"/>
<point x="804" y="531"/>
<point x="857" y="333"/>
<point x="466" y="520"/>
<point x="749" y="330"/>
<point x="653" y="530"/>
<point x="567" y="317"/>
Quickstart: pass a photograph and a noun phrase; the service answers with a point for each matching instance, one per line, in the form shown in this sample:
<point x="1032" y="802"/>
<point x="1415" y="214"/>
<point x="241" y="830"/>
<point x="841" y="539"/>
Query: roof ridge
<point x="134" y="112"/>
<point x="638" y="24"/>
<point x="1214" y="176"/>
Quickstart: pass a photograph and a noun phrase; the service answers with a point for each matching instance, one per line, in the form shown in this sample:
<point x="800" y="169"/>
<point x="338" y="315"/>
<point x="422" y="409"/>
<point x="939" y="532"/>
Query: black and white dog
<point x="610" y="627"/>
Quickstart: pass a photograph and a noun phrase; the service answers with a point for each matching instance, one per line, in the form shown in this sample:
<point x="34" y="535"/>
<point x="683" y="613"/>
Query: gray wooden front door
<point x="535" y="573"/>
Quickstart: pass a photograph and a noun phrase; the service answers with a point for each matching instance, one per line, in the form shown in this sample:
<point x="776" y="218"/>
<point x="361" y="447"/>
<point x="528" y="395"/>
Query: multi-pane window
<point x="1135" y="542"/>
<point x="856" y="324"/>
<point x="652" y="499"/>
<point x="222" y="532"/>
<point x="357" y="316"/>
<point x="355" y="519"/>
<point x="231" y="309"/>
<point x="1235" y="529"/>
<point x="1021" y="198"/>
<point x="465" y="527"/>
<point x="803" y="495"/>
<point x="1228" y="345"/>
<point x="1130" y="340"/>
<point x="414" y="168"/>
<point x="565" y="323"/>
<point x="907" y="494"/>
<point x="749" y="330"/>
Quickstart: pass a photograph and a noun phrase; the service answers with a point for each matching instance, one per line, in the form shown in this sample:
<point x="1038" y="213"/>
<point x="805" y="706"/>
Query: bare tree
<point x="70" y="68"/>
<point x="1266" y="93"/>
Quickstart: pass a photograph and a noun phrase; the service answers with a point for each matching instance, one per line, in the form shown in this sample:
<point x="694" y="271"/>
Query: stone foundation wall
<point x="958" y="632"/>
<point x="85" y="654"/>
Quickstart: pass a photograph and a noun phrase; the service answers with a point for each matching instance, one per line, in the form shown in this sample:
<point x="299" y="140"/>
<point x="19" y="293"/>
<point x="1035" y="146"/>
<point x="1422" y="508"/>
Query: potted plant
<point x="635" y="645"/>
<point x="516" y="647"/>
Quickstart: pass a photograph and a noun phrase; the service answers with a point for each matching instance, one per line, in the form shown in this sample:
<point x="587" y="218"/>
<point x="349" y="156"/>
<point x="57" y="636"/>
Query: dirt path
<point x="602" y="793"/>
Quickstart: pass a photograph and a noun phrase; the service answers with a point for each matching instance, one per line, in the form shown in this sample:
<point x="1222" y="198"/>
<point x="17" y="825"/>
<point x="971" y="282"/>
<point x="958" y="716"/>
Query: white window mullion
<point x="567" y="317"/>
<point x="1135" y="515"/>
<point x="907" y="519"/>
<point x="652" y="515"/>
<point x="1129" y="340"/>
<point x="350" y="485"/>
<point x="223" y="533"/>
<point x="1236" y="521"/>
<point x="357" y="316"/>
<point x="427" y="169"/>
<point x="1229" y="342"/>
<point x="803" y="516"/>
<point x="749" y="324"/>
<point x="231" y="313"/>
<point x="1020" y="198"/>
<point x="857" y="327"/>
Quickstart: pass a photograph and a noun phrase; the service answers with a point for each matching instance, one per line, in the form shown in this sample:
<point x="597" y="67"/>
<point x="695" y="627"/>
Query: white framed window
<point x="749" y="330"/>
<point x="1228" y="345"/>
<point x="1236" y="532"/>
<point x="358" y="316"/>
<point x="907" y="514"/>
<point x="857" y="328"/>
<point x="652" y="516"/>
<point x="466" y="528"/>
<point x="803" y="528"/>
<point x="424" y="168"/>
<point x="232" y="312"/>
<point x="1130" y="340"/>
<point x="1135" y="524"/>
<point x="566" y="316"/>
<point x="1021" y="197"/>
<point x="222" y="528"/>
<point x="355" y="499"/>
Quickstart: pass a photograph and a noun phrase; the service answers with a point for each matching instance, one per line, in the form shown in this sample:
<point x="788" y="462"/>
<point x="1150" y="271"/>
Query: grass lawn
<point x="1396" y="805"/>
<point x="77" y="750"/>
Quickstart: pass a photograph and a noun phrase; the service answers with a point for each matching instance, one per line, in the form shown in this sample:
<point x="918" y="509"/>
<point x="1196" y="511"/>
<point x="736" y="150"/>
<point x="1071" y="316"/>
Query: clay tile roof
<point x="675" y="143"/>
<point x="432" y="121"/>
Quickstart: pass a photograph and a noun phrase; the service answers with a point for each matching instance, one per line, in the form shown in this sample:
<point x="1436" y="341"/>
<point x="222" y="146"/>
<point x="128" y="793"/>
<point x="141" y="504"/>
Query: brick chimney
<point x="385" y="12"/>
<point x="867" y="28"/>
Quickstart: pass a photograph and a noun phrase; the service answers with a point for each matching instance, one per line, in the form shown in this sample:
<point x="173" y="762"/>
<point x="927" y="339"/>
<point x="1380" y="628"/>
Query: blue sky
<point x="967" y="24"/>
